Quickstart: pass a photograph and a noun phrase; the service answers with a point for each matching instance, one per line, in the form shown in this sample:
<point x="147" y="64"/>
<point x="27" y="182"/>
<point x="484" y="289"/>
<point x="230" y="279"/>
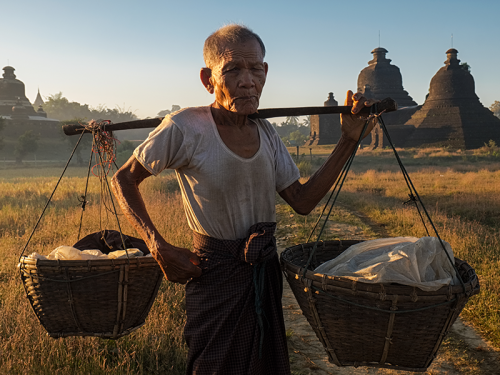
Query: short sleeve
<point x="286" y="170"/>
<point x="165" y="148"/>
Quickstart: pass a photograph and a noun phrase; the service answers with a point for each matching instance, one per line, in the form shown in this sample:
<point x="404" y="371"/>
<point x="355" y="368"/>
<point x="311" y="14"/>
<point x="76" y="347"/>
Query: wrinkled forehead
<point x="249" y="50"/>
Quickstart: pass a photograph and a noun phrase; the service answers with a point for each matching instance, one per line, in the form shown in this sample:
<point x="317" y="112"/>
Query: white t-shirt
<point x="223" y="193"/>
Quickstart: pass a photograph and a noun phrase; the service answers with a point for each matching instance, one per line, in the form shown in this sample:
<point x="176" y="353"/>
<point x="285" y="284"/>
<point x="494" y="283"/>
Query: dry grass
<point x="157" y="348"/>
<point x="462" y="195"/>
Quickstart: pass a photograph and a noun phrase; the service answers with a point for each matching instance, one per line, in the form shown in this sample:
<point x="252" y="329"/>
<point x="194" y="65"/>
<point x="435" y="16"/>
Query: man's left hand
<point x="352" y="125"/>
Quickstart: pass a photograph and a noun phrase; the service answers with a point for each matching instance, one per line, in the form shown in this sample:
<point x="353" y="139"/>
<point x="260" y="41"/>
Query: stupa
<point x="325" y="129"/>
<point x="38" y="100"/>
<point x="452" y="114"/>
<point x="379" y="80"/>
<point x="20" y="117"/>
<point x="17" y="110"/>
<point x="384" y="80"/>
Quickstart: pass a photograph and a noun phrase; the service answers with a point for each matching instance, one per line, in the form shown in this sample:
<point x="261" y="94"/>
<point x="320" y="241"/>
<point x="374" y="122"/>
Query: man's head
<point x="236" y="71"/>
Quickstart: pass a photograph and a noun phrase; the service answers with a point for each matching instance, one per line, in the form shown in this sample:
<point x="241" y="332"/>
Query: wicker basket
<point x="103" y="298"/>
<point x="346" y="316"/>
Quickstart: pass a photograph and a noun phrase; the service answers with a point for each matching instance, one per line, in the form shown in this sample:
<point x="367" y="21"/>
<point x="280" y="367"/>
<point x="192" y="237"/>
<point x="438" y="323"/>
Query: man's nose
<point x="247" y="79"/>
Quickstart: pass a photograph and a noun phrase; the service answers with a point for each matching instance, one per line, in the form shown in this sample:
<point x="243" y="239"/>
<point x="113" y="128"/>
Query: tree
<point x="306" y="121"/>
<point x="292" y="120"/>
<point x="465" y="66"/>
<point x="495" y="108"/>
<point x="286" y="129"/>
<point x="60" y="108"/>
<point x="165" y="112"/>
<point x="297" y="137"/>
<point x="26" y="143"/>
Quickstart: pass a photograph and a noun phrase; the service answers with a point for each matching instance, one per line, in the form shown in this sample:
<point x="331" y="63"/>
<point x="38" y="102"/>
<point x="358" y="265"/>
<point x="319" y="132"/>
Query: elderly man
<point x="229" y="168"/>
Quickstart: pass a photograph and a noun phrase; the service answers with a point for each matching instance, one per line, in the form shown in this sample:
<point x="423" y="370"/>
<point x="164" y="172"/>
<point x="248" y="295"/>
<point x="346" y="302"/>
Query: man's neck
<point x="223" y="117"/>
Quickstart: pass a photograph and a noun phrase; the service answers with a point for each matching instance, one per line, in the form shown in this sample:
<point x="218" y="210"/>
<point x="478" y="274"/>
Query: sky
<point x="145" y="56"/>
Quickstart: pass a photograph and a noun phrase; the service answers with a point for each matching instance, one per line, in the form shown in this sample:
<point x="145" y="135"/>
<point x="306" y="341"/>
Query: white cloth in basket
<point x="71" y="253"/>
<point x="404" y="260"/>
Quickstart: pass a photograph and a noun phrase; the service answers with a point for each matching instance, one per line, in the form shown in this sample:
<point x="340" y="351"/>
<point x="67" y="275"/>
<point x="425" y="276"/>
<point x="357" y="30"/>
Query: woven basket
<point x="103" y="298"/>
<point x="346" y="316"/>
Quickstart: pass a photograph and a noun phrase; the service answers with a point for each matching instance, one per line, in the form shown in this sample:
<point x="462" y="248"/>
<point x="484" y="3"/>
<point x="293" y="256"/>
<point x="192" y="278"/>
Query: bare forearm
<point x="304" y="197"/>
<point x="132" y="204"/>
<point x="178" y="264"/>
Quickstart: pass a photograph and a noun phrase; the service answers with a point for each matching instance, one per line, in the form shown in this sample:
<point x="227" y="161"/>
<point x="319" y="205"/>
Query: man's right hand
<point x="179" y="265"/>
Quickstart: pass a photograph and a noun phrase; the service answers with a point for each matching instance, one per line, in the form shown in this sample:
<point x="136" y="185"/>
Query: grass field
<point x="460" y="190"/>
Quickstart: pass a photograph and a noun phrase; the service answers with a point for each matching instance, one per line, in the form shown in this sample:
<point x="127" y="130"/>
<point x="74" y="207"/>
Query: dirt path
<point x="463" y="352"/>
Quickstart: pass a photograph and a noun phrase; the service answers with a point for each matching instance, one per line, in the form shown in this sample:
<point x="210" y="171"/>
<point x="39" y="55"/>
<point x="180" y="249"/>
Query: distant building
<point x="18" y="111"/>
<point x="38" y="101"/>
<point x="380" y="80"/>
<point x="325" y="129"/>
<point x="452" y="114"/>
<point x="21" y="117"/>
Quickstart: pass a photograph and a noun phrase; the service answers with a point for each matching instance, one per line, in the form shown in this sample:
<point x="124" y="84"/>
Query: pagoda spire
<point x="38" y="101"/>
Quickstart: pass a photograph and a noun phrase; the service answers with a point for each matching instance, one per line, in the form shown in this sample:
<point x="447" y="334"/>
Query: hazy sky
<point x="145" y="55"/>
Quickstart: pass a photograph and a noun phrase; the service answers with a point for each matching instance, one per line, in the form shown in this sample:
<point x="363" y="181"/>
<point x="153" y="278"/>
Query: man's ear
<point x="205" y="75"/>
<point x="266" y="68"/>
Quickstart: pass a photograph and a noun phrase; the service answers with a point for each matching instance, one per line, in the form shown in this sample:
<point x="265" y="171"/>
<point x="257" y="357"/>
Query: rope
<point x="414" y="194"/>
<point x="84" y="196"/>
<point x="337" y="188"/>
<point x="51" y="195"/>
<point x="104" y="152"/>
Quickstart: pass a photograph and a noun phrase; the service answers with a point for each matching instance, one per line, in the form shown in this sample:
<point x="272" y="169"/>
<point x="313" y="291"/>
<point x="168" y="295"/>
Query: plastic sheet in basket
<point x="413" y="261"/>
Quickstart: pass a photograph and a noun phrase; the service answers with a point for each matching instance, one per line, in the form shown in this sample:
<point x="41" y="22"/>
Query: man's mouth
<point x="246" y="97"/>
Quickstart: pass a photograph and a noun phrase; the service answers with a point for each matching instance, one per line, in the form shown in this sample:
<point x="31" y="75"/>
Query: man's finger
<point x="194" y="259"/>
<point x="359" y="103"/>
<point x="371" y="102"/>
<point x="357" y="96"/>
<point x="348" y="98"/>
<point x="197" y="272"/>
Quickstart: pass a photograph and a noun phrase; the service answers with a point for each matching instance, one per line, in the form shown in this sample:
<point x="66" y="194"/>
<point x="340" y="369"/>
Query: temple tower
<point x="452" y="114"/>
<point x="325" y="129"/>
<point x="382" y="80"/>
<point x="379" y="80"/>
<point x="12" y="94"/>
<point x="20" y="117"/>
<point x="38" y="101"/>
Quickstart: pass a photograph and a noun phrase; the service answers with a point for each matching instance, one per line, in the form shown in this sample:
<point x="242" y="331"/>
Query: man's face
<point x="239" y="76"/>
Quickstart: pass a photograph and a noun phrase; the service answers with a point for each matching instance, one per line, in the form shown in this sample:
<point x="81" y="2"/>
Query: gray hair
<point x="232" y="33"/>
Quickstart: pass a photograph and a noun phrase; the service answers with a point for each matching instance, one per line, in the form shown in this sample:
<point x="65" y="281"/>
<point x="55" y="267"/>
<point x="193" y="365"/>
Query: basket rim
<point x="472" y="285"/>
<point x="84" y="263"/>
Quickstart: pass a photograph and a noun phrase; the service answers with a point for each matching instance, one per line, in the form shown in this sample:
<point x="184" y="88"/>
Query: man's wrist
<point x="344" y="139"/>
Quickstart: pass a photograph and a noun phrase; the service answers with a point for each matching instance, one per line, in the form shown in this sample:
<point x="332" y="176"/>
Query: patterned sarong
<point x="222" y="328"/>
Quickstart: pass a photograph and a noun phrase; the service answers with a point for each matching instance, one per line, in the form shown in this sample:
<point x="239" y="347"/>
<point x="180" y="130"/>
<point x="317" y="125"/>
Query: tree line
<point x="60" y="108"/>
<point x="292" y="131"/>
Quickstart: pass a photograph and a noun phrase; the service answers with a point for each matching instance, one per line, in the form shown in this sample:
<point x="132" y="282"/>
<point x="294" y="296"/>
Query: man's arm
<point x="304" y="197"/>
<point x="178" y="264"/>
